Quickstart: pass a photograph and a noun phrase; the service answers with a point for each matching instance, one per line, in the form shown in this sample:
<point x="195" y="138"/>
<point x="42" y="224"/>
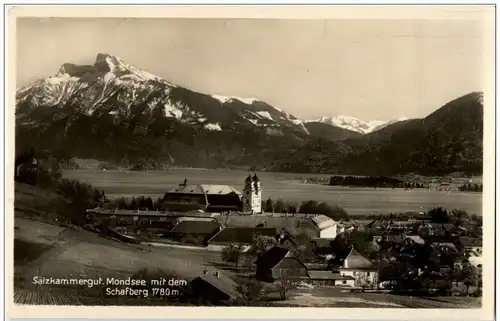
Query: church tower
<point x="252" y="195"/>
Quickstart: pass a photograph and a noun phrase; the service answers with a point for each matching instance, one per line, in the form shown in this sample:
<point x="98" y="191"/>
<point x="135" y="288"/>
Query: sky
<point x="370" y="69"/>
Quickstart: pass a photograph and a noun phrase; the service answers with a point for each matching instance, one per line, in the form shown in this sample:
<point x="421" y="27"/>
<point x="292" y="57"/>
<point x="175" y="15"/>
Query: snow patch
<point x="172" y="111"/>
<point x="265" y="114"/>
<point x="225" y="99"/>
<point x="215" y="127"/>
<point x="202" y="119"/>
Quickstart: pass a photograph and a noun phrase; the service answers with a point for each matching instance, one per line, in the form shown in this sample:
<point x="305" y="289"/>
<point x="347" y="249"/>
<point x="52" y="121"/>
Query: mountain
<point x="114" y="111"/>
<point x="329" y="132"/>
<point x="355" y="124"/>
<point x="448" y="140"/>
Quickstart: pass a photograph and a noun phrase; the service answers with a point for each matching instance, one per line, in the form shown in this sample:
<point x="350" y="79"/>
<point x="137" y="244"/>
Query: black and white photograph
<point x="270" y="162"/>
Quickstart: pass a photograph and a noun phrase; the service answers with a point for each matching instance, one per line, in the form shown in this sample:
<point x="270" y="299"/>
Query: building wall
<point x="362" y="277"/>
<point x="344" y="283"/>
<point x="252" y="198"/>
<point x="329" y="232"/>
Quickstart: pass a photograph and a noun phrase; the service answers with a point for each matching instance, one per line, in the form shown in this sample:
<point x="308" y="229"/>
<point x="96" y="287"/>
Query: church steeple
<point x="252" y="195"/>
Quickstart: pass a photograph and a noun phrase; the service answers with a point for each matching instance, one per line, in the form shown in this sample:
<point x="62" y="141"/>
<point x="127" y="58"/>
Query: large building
<point x="215" y="198"/>
<point x="252" y="195"/>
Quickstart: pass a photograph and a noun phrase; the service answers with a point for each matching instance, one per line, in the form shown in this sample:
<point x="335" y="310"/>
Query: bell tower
<point x="252" y="195"/>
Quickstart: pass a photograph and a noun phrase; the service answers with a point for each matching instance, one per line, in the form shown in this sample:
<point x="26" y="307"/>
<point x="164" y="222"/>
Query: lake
<point x="287" y="186"/>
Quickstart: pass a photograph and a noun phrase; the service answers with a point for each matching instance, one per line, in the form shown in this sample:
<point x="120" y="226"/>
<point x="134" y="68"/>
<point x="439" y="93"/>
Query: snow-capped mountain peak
<point x="356" y="124"/>
<point x="112" y="88"/>
<point x="225" y="99"/>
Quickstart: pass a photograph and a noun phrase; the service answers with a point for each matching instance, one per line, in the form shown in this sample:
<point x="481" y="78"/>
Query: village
<point x="433" y="253"/>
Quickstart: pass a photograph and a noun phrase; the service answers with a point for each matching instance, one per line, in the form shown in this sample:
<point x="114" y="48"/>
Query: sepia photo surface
<point x="274" y="158"/>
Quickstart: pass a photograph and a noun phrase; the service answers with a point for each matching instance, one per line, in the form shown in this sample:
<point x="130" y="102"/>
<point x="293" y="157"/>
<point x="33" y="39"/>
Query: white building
<point x="361" y="269"/>
<point x="327" y="227"/>
<point x="252" y="195"/>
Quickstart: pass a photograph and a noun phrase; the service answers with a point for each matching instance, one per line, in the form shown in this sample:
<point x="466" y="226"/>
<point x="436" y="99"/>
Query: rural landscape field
<point x="286" y="186"/>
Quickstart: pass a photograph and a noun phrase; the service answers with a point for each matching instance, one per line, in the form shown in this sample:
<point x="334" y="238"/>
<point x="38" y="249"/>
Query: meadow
<point x="356" y="201"/>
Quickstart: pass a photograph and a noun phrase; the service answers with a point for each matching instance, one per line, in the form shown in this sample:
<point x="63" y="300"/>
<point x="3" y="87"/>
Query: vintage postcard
<point x="271" y="161"/>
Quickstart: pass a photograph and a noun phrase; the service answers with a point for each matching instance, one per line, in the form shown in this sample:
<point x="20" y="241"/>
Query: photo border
<point x="297" y="11"/>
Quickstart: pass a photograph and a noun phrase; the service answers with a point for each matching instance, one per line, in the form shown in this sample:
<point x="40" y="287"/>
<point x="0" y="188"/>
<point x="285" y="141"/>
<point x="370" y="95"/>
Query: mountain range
<point x="116" y="112"/>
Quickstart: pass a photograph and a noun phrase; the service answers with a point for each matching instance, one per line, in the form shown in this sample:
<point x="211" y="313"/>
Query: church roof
<point x="219" y="189"/>
<point x="187" y="189"/>
<point x="207" y="189"/>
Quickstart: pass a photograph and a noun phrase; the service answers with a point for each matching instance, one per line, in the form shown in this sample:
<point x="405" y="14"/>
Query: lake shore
<point x="354" y="200"/>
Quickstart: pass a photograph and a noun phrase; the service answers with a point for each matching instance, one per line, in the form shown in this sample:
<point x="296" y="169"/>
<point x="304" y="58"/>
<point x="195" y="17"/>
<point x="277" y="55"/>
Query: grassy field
<point x="280" y="185"/>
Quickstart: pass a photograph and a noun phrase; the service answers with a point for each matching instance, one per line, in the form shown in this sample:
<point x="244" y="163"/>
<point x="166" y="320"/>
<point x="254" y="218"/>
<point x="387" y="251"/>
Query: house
<point x="214" y="288"/>
<point x="316" y="266"/>
<point x="322" y="246"/>
<point x="361" y="269"/>
<point x="297" y="226"/>
<point x="329" y="278"/>
<point x="277" y="263"/>
<point x="209" y="198"/>
<point x="468" y="244"/>
<point x="394" y="239"/>
<point x="285" y="239"/>
<point x="425" y="230"/>
<point x="415" y="239"/>
<point x="445" y="247"/>
<point x="238" y="235"/>
<point x="442" y="229"/>
<point x="345" y="226"/>
<point x="327" y="227"/>
<point x="200" y="231"/>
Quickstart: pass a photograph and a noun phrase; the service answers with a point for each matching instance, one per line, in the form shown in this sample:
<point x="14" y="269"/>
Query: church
<point x="215" y="198"/>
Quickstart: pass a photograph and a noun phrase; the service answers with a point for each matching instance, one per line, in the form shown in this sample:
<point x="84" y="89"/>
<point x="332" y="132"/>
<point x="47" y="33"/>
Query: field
<point x="356" y="201"/>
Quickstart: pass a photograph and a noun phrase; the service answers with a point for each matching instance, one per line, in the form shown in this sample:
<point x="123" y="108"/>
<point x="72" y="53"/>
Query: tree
<point x="470" y="276"/>
<point x="250" y="289"/>
<point x="260" y="243"/>
<point x="232" y="253"/>
<point x="285" y="284"/>
<point x="310" y="207"/>
<point x="439" y="215"/>
<point x="268" y="207"/>
<point x="280" y="206"/>
<point x="460" y="217"/>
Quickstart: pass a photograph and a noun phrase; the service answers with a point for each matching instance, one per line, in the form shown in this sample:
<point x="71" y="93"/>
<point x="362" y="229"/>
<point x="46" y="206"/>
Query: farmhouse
<point x="215" y="288"/>
<point x="361" y="269"/>
<point x="278" y="263"/>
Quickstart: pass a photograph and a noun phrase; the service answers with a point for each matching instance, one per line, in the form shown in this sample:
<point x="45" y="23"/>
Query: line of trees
<point x="373" y="182"/>
<point x="44" y="171"/>
<point x="135" y="203"/>
<point x="471" y="187"/>
<point x="308" y="207"/>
